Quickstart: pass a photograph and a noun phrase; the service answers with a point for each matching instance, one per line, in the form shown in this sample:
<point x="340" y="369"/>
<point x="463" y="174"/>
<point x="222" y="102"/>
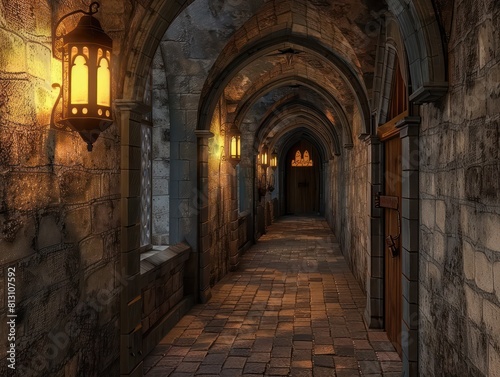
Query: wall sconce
<point x="222" y="153"/>
<point x="263" y="157"/>
<point x="270" y="183"/>
<point x="86" y="76"/>
<point x="274" y="160"/>
<point x="234" y="135"/>
<point x="262" y="186"/>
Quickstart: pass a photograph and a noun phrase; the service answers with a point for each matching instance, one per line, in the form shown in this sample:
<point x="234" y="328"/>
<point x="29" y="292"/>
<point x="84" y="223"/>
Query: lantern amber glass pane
<point x="80" y="81"/>
<point x="234" y="147"/>
<point x="238" y="148"/>
<point x="103" y="83"/>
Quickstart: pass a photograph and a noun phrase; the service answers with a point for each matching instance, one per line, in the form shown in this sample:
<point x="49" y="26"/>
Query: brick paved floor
<point x="292" y="309"/>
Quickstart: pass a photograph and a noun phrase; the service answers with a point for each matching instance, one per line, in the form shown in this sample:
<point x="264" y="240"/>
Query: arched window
<point x="155" y="166"/>
<point x="300" y="161"/>
<point x="146" y="174"/>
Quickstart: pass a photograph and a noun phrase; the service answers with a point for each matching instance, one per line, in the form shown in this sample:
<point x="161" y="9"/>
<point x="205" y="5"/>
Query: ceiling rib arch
<point x="294" y="113"/>
<point x="425" y="48"/>
<point x="293" y="136"/>
<point x="218" y="79"/>
<point x="150" y="24"/>
<point x="329" y="143"/>
<point x="292" y="78"/>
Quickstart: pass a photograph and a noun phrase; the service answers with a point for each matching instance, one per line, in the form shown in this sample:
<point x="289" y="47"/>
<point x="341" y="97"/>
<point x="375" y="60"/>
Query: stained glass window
<point x="146" y="184"/>
<point x="302" y="160"/>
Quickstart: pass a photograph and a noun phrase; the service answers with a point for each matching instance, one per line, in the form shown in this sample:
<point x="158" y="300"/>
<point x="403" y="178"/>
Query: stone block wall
<point x="460" y="201"/>
<point x="59" y="209"/>
<point x="346" y="204"/>
<point x="222" y="180"/>
<point x="186" y="64"/>
<point x="163" y="289"/>
<point x="244" y="231"/>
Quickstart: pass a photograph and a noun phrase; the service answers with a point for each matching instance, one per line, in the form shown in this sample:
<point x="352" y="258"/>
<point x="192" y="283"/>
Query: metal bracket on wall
<point x="390" y="202"/>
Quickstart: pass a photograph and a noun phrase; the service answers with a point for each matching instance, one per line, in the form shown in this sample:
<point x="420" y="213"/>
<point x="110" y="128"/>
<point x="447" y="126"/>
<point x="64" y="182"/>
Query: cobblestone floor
<point x="292" y="309"/>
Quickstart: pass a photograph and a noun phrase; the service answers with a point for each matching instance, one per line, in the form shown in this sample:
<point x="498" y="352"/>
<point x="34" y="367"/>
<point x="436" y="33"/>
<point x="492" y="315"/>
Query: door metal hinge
<point x="390" y="202"/>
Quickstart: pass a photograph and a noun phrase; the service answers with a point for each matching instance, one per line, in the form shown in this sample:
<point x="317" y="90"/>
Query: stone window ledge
<point x="163" y="259"/>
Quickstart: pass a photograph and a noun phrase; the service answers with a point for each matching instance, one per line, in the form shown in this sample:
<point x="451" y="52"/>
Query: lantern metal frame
<point x="264" y="157"/>
<point x="85" y="53"/>
<point x="273" y="161"/>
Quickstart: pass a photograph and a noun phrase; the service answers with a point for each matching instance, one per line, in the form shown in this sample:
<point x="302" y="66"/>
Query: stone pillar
<point x="409" y="133"/>
<point x="129" y="116"/>
<point x="374" y="314"/>
<point x="204" y="236"/>
<point x="234" y="258"/>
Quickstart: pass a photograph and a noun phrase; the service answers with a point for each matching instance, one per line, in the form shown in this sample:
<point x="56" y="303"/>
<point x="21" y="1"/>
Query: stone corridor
<point x="292" y="309"/>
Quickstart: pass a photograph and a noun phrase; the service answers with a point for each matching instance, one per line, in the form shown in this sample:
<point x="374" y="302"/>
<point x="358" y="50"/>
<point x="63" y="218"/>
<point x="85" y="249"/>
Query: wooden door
<point x="302" y="184"/>
<point x="393" y="289"/>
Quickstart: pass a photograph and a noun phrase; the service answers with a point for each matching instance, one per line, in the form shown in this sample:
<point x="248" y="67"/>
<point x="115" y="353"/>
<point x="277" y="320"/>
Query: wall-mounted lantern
<point x="270" y="183"/>
<point x="86" y="76"/>
<point x="234" y="136"/>
<point x="262" y="186"/>
<point x="263" y="157"/>
<point x="273" y="162"/>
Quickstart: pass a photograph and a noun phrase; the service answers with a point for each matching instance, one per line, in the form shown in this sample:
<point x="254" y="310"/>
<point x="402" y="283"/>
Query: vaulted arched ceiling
<point x="286" y="44"/>
<point x="252" y="55"/>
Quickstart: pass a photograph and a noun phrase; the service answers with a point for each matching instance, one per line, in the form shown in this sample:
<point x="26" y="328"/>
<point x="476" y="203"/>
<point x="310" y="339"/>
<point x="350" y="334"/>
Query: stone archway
<point x="152" y="21"/>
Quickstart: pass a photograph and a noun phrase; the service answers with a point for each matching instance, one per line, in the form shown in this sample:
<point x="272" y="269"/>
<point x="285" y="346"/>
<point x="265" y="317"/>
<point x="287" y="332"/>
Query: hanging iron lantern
<point x="86" y="83"/>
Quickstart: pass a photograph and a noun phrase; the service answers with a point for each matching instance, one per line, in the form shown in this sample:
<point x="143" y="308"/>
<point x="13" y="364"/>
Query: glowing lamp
<point x="234" y="145"/>
<point x="274" y="160"/>
<point x="264" y="157"/>
<point x="86" y="83"/>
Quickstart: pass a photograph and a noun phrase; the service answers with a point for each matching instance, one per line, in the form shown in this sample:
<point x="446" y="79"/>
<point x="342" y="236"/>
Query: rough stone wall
<point x="162" y="285"/>
<point x="189" y="49"/>
<point x="460" y="205"/>
<point x="244" y="231"/>
<point x="347" y="204"/>
<point x="161" y="153"/>
<point x="220" y="185"/>
<point x="59" y="210"/>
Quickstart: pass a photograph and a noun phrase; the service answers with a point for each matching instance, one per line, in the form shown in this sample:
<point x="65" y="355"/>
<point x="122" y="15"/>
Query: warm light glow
<point x="86" y="76"/>
<point x="103" y="83"/>
<point x="80" y="81"/>
<point x="274" y="161"/>
<point x="235" y="147"/>
<point x="263" y="158"/>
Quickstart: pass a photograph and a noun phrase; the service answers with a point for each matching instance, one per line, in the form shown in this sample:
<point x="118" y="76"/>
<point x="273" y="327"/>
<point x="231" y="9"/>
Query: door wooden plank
<point x="393" y="266"/>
